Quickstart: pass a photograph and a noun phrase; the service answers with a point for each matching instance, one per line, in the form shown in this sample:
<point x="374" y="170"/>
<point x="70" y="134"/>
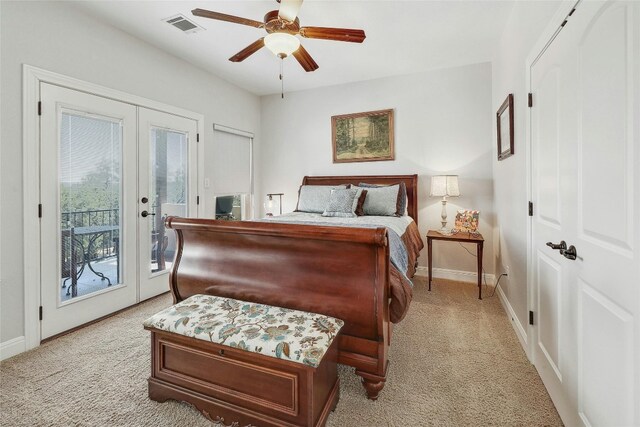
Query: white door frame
<point x="31" y="79"/>
<point x="545" y="39"/>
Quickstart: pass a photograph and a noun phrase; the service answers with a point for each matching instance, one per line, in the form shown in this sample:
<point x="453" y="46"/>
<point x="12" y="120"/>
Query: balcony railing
<point x="104" y="245"/>
<point x="90" y="218"/>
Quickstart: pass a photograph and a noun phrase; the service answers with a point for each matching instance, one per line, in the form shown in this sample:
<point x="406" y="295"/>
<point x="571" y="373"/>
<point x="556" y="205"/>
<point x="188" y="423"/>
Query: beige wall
<point x="56" y="37"/>
<point x="442" y="125"/>
<point x="524" y="27"/>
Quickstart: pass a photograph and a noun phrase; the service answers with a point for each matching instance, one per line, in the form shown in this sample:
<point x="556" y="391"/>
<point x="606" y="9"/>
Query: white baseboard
<point x="12" y="347"/>
<point x="521" y="333"/>
<point x="458" y="275"/>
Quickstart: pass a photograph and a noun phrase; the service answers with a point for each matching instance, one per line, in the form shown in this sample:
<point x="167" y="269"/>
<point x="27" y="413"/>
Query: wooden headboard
<point x="411" y="181"/>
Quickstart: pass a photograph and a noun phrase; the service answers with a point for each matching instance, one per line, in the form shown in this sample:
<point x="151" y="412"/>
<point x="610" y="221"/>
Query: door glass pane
<point x="90" y="192"/>
<point x="168" y="190"/>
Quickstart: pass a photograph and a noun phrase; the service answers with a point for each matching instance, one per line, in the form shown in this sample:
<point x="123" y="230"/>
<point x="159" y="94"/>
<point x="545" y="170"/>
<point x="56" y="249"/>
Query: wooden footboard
<point x="338" y="271"/>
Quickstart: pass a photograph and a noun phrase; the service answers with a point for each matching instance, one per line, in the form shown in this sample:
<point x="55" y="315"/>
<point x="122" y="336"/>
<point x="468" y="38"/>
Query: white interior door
<point x="167" y="187"/>
<point x="88" y="225"/>
<point x="585" y="125"/>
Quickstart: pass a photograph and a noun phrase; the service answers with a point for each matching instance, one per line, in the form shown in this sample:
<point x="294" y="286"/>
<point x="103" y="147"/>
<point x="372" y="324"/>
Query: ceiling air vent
<point x="183" y="24"/>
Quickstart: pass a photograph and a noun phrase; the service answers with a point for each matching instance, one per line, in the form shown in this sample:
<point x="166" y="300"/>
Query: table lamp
<point x="269" y="205"/>
<point x="444" y="186"/>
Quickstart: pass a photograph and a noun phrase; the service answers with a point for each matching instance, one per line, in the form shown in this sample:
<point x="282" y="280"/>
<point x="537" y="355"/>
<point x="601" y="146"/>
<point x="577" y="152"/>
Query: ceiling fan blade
<point x="305" y="59"/>
<point x="289" y="9"/>
<point x="339" y="34"/>
<point x="248" y="51"/>
<point x="229" y="18"/>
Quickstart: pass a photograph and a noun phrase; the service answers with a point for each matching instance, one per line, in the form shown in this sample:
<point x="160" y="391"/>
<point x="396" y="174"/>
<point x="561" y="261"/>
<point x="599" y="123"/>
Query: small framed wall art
<point x="504" y="120"/>
<point x="362" y="137"/>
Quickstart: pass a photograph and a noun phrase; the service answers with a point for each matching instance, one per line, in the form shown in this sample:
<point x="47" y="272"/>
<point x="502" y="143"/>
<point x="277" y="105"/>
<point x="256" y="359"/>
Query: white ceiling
<point x="403" y="37"/>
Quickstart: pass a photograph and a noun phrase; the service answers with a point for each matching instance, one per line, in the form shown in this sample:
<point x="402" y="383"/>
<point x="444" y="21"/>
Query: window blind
<point x="231" y="161"/>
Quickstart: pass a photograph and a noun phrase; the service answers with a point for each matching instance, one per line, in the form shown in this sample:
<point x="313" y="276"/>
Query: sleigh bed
<point x="341" y="271"/>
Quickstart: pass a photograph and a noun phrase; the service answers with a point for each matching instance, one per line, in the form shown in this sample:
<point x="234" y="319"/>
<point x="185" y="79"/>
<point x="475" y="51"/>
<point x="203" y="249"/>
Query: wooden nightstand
<point x="457" y="237"/>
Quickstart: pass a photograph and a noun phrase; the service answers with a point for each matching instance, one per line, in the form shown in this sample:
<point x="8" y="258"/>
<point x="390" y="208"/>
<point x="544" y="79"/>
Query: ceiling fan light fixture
<point x="281" y="44"/>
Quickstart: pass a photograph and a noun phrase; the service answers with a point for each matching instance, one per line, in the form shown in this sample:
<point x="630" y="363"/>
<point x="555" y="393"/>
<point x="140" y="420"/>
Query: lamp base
<point x="445" y="231"/>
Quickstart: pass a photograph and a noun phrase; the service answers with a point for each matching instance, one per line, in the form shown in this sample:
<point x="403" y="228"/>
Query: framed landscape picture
<point x="362" y="137"/>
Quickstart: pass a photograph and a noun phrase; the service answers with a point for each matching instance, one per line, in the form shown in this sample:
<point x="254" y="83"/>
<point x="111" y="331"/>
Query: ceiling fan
<point x="282" y="26"/>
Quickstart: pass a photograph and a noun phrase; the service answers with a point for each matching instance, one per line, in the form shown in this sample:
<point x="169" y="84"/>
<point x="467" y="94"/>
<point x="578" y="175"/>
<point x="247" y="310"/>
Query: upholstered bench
<point x="245" y="363"/>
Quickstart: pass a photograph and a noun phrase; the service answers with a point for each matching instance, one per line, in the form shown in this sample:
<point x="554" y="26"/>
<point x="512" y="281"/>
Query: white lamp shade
<point x="445" y="186"/>
<point x="282" y="43"/>
<point x="289" y="9"/>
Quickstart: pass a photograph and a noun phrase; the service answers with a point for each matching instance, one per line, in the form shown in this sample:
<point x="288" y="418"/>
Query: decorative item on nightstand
<point x="467" y="221"/>
<point x="444" y="186"/>
<point x="270" y="204"/>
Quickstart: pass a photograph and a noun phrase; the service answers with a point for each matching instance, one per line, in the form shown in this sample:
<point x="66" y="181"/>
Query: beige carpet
<point x="454" y="361"/>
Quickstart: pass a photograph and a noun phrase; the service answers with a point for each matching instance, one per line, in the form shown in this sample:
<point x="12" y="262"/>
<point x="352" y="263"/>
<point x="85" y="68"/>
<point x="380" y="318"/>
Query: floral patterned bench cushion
<point x="278" y="332"/>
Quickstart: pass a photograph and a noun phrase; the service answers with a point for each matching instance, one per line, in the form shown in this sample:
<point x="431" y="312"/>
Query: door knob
<point x="560" y="246"/>
<point x="145" y="214"/>
<point x="570" y="253"/>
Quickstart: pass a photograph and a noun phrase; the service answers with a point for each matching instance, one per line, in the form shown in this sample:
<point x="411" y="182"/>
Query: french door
<point x="110" y="173"/>
<point x="88" y="227"/>
<point x="585" y="134"/>
<point x="167" y="179"/>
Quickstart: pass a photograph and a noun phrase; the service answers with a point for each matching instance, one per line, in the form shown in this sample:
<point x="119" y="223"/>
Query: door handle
<point x="570" y="253"/>
<point x="145" y="214"/>
<point x="560" y="246"/>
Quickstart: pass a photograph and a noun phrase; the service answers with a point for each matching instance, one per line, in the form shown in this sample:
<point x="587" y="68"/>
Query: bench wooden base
<point x="230" y="385"/>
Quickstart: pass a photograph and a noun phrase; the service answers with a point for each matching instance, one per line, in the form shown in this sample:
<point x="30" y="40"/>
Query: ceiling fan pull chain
<point x="282" y="77"/>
